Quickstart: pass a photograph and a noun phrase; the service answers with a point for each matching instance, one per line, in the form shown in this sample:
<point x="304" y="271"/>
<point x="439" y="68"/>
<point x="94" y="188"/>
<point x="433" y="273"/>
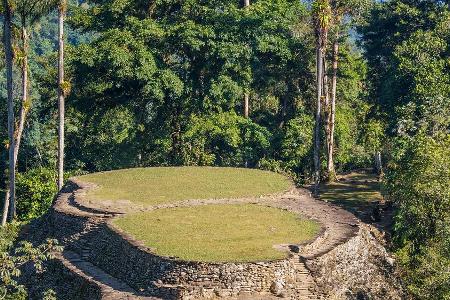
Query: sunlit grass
<point x="165" y="185"/>
<point x="219" y="233"/>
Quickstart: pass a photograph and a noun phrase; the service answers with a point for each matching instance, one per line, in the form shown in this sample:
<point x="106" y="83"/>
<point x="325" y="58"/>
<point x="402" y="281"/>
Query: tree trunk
<point x="378" y="163"/>
<point x="326" y="96"/>
<point x="5" y="208"/>
<point x="330" y="162"/>
<point x="325" y="87"/>
<point x="283" y="111"/>
<point x="246" y="95"/>
<point x="61" y="14"/>
<point x="246" y="105"/>
<point x="246" y="109"/>
<point x="9" y="86"/>
<point x="319" y="65"/>
<point x="321" y="27"/>
<point x="24" y="108"/>
<point x="246" y="100"/>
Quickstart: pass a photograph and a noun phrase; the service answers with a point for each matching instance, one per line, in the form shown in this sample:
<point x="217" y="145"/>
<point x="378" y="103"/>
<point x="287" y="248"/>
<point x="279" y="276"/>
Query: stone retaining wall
<point x="143" y="270"/>
<point x="361" y="268"/>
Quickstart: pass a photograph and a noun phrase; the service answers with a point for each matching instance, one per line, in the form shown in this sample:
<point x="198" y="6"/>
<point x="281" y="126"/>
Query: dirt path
<point x="359" y="192"/>
<point x="338" y="224"/>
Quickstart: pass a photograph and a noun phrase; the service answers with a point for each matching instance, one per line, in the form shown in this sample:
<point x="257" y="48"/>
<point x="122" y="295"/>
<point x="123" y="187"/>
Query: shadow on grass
<point x="356" y="192"/>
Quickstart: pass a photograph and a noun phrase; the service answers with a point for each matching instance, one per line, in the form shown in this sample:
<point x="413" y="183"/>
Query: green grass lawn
<point x="219" y="233"/>
<point x="165" y="185"/>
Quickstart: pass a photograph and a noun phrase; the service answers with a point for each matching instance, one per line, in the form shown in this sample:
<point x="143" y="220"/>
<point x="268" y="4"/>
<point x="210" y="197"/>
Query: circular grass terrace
<point x="153" y="186"/>
<point x="217" y="232"/>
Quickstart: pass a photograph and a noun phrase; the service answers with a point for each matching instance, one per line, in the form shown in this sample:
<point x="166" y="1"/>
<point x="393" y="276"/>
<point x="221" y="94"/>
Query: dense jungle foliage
<point x="162" y="83"/>
<point x="406" y="44"/>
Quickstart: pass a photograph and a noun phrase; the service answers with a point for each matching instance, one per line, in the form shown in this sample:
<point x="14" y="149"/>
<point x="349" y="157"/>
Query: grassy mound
<point x="219" y="233"/>
<point x="165" y="185"/>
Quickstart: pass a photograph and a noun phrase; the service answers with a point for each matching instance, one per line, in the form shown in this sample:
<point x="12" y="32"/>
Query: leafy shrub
<point x="224" y="139"/>
<point x="296" y="145"/>
<point x="272" y="165"/>
<point x="108" y="144"/>
<point x="8" y="234"/>
<point x="13" y="257"/>
<point x="357" y="138"/>
<point x="419" y="183"/>
<point x="36" y="189"/>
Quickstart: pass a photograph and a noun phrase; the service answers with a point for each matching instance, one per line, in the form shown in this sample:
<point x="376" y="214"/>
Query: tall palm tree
<point x="341" y="10"/>
<point x="7" y="41"/>
<point x="29" y="12"/>
<point x="61" y="110"/>
<point x="321" y="17"/>
<point x="23" y="60"/>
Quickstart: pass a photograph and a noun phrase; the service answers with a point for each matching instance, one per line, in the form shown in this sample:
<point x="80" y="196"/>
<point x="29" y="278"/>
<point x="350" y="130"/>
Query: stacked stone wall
<point x="123" y="258"/>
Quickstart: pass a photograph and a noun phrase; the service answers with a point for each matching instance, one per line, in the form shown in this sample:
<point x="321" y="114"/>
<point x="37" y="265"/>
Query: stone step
<point x="111" y="287"/>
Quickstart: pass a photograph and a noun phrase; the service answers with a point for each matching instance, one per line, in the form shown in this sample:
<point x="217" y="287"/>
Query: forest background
<point x="165" y="83"/>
